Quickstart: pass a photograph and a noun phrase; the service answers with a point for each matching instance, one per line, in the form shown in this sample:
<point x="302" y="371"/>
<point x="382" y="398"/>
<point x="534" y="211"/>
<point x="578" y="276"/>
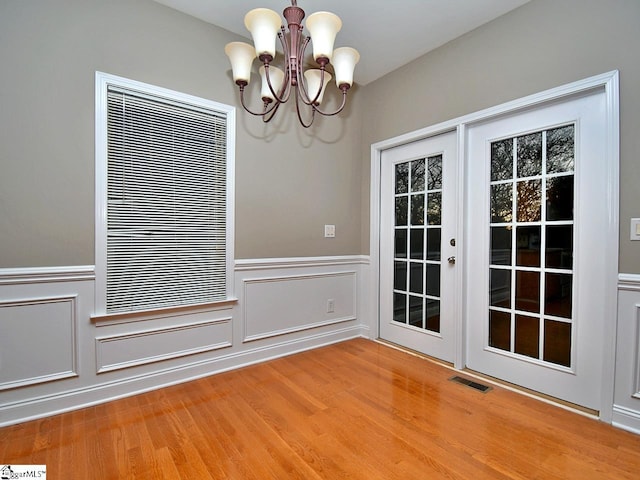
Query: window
<point x="164" y="198"/>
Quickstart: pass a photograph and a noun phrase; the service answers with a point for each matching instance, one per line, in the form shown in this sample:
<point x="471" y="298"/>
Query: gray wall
<point x="287" y="187"/>
<point x="544" y="44"/>
<point x="289" y="181"/>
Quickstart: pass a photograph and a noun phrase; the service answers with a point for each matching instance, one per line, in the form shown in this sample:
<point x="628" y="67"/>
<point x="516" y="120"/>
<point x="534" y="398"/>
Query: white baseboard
<point x="626" y="419"/>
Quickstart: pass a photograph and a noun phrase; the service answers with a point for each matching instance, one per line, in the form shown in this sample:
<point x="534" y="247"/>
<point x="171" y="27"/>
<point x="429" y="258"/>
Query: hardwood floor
<point x="357" y="410"/>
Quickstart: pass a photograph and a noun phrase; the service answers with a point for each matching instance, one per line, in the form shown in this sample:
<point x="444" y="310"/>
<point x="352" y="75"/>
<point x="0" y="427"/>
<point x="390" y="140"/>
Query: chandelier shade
<point x="241" y="55"/>
<point x="306" y="86"/>
<point x="264" y="25"/>
<point x="316" y="84"/>
<point x="277" y="79"/>
<point x="344" y="59"/>
<point x="323" y="26"/>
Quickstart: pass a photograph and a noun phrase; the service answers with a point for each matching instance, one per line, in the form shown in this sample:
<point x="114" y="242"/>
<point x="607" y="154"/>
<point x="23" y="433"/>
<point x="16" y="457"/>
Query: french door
<point x="537" y="205"/>
<point x="533" y="302"/>
<point x="417" y="245"/>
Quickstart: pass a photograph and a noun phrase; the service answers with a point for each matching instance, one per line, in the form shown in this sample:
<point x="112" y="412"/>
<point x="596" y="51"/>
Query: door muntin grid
<point x="417" y="243"/>
<point x="531" y="245"/>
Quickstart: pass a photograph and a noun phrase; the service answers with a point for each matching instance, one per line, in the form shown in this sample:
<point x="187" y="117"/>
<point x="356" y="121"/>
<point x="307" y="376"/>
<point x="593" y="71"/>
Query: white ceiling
<point x="387" y="33"/>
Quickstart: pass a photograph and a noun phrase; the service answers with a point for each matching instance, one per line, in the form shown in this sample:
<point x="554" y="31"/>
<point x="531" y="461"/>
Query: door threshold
<point x="416" y="353"/>
<point x="572" y="407"/>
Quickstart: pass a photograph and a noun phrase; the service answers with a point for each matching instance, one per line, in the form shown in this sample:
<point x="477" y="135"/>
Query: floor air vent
<point x="471" y="384"/>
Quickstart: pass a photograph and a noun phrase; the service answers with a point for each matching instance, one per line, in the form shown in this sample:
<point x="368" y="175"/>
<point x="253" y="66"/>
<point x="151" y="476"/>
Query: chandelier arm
<point x="285" y="89"/>
<point x="304" y="42"/>
<point x="280" y="97"/>
<point x="340" y="108"/>
<point x="266" y="118"/>
<point x="302" y="82"/>
<point x="300" y="119"/>
<point x="257" y="114"/>
<point x="283" y="41"/>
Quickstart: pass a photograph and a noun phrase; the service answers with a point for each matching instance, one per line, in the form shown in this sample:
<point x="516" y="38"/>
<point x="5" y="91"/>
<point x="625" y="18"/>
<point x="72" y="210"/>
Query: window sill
<point x="152" y="314"/>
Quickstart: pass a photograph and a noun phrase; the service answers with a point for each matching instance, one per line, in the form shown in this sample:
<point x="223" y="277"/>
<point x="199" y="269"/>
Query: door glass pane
<point x="400" y="307"/>
<point x="557" y="342"/>
<point x="433" y="243"/>
<point x="540" y="298"/>
<point x="402" y="211"/>
<point x="560" y="150"/>
<point x="559" y="248"/>
<point x="417" y="209"/>
<point x="501" y="203"/>
<point x="528" y="246"/>
<point x="435" y="172"/>
<point x="529" y="155"/>
<point x="400" y="276"/>
<point x="417" y="175"/>
<point x="560" y="198"/>
<point x="415" y="311"/>
<point x="400" y="241"/>
<point x="527" y="338"/>
<point x="557" y="294"/>
<point x="529" y="201"/>
<point x="417" y="243"/>
<point x="528" y="291"/>
<point x="502" y="160"/>
<point x="500" y="285"/>
<point x="416" y="278"/>
<point x="434" y="208"/>
<point x="402" y="178"/>
<point x="501" y="245"/>
<point x="433" y="279"/>
<point x="500" y="330"/>
<point x="433" y="315"/>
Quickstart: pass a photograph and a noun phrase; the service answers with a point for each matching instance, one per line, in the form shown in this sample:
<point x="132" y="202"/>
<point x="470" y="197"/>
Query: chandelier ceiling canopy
<point x="306" y="86"/>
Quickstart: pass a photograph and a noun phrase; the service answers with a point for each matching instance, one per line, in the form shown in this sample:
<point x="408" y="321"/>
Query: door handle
<point x="451" y="260"/>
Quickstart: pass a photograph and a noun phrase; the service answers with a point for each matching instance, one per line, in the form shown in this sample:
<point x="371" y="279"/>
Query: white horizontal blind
<point x="166" y="203"/>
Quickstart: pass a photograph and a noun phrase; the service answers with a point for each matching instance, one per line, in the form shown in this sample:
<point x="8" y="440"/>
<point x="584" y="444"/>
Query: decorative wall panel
<point x="284" y="304"/>
<point x="37" y="340"/>
<point x="149" y="346"/>
<point x="626" y="408"/>
<point x="636" y="351"/>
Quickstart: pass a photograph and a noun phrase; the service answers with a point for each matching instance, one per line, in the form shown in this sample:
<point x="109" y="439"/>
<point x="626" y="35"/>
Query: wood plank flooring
<point x="356" y="410"/>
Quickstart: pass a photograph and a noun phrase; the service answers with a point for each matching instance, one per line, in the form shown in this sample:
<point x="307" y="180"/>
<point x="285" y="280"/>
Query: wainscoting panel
<point x="148" y="346"/>
<point x="636" y="364"/>
<point x="37" y="340"/>
<point x="58" y="354"/>
<point x="626" y="409"/>
<point x="279" y="305"/>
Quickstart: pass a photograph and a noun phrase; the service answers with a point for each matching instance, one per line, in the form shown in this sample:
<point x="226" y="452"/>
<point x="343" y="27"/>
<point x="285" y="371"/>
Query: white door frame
<point x="609" y="82"/>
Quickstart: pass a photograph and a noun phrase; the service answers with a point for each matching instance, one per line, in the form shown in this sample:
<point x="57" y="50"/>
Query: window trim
<point x="102" y="83"/>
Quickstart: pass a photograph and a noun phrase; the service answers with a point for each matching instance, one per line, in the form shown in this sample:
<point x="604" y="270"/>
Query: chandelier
<point x="306" y="86"/>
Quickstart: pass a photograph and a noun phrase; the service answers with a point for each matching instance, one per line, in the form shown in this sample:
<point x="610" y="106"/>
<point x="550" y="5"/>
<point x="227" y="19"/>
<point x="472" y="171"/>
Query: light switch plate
<point x="635" y="229"/>
<point x="329" y="231"/>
